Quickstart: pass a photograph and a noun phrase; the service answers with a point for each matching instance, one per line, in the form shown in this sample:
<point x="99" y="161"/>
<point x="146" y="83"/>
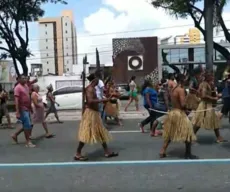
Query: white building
<point x="58" y="44"/>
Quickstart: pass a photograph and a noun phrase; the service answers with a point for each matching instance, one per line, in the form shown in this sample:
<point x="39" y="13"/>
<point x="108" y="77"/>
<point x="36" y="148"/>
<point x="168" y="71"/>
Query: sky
<point x="97" y="22"/>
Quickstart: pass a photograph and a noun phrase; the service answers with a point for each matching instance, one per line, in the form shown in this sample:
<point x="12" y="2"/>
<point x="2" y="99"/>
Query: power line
<point x="105" y="52"/>
<point x="110" y="52"/>
<point x="110" y="45"/>
<point x="121" y="32"/>
<point x="63" y="56"/>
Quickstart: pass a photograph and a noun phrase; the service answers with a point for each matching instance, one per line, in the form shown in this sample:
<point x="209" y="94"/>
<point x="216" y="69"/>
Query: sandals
<point x="221" y="141"/>
<point x="83" y="158"/>
<point x="49" y="136"/>
<point x="162" y="155"/>
<point x="109" y="155"/>
<point x="30" y="145"/>
<point x="80" y="158"/>
<point x="156" y="133"/>
<point x="141" y="128"/>
<point x="15" y="139"/>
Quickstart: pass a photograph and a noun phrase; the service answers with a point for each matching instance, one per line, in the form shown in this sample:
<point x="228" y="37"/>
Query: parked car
<point x="123" y="90"/>
<point x="67" y="98"/>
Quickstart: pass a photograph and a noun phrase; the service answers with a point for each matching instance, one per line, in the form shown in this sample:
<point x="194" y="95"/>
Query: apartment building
<point x="58" y="44"/>
<point x="192" y="37"/>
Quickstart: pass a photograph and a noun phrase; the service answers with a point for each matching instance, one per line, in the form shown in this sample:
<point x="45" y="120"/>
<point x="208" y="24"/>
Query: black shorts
<point x="226" y="106"/>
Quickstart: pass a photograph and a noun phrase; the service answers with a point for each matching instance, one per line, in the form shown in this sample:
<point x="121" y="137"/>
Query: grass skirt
<point x="91" y="128"/>
<point x="161" y="121"/>
<point x="192" y="101"/>
<point x="177" y="127"/>
<point x="206" y="119"/>
<point x="111" y="109"/>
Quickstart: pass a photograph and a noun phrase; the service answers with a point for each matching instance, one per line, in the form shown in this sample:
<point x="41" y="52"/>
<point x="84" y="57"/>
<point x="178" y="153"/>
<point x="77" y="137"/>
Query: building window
<point x="47" y="62"/>
<point x="67" y="69"/>
<point x="218" y="56"/>
<point x="47" y="70"/>
<point x="45" y="25"/>
<point x="65" y="24"/>
<point x="47" y="54"/>
<point x="46" y="47"/>
<point x="199" y="54"/>
<point x="66" y="39"/>
<point x="67" y="61"/>
<point x="174" y="56"/>
<point x="183" y="55"/>
<point x="46" y="32"/>
<point x="66" y="31"/>
<point x="67" y="54"/>
<point x="46" y="40"/>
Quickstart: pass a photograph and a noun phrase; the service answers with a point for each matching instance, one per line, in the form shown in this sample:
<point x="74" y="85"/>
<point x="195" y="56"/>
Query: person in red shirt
<point x="23" y="109"/>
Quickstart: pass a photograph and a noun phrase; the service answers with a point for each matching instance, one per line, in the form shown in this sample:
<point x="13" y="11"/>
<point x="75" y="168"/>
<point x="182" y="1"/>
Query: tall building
<point x="192" y="37"/>
<point x="58" y="44"/>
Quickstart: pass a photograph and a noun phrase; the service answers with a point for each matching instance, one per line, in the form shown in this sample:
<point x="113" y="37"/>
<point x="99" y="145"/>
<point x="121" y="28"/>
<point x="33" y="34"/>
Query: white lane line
<point x="131" y="131"/>
<point x="104" y="163"/>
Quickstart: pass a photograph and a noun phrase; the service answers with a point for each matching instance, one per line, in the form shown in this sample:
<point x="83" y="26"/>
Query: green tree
<point x="14" y="30"/>
<point x="188" y="8"/>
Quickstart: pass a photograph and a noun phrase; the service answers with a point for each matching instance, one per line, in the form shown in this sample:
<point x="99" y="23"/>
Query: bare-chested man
<point x="177" y="126"/>
<point x="205" y="116"/>
<point x="171" y="82"/>
<point x="91" y="128"/>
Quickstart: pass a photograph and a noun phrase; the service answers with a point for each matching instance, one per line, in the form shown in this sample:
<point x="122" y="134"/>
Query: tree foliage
<point x="14" y="30"/>
<point x="188" y="8"/>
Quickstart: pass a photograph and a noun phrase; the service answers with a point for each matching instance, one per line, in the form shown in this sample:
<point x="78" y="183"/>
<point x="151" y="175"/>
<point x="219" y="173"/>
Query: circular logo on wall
<point x="135" y="62"/>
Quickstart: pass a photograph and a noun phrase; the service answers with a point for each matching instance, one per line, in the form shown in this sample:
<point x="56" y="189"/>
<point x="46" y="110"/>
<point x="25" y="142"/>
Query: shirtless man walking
<point x="177" y="127"/>
<point x="91" y="130"/>
<point x="171" y="82"/>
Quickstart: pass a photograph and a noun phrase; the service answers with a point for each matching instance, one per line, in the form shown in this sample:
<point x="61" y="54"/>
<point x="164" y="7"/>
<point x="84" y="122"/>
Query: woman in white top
<point x="132" y="94"/>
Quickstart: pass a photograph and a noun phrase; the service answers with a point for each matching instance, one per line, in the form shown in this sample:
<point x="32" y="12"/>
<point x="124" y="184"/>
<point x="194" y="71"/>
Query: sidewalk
<point x="75" y="115"/>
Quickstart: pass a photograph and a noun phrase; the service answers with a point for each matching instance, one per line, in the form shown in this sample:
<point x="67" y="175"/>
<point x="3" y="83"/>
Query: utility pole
<point x="209" y="9"/>
<point x="85" y="62"/>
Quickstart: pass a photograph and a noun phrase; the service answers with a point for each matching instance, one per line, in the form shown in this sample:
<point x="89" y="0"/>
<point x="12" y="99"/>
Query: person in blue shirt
<point x="150" y="97"/>
<point x="226" y="98"/>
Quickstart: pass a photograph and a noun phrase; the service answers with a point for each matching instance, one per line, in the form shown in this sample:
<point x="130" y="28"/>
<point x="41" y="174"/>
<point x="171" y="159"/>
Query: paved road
<point x="119" y="178"/>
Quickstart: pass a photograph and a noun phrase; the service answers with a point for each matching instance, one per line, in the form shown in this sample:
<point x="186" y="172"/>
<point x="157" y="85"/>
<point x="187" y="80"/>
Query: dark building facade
<point x="134" y="57"/>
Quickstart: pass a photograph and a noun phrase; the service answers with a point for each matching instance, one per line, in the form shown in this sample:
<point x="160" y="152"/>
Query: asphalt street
<point x="120" y="177"/>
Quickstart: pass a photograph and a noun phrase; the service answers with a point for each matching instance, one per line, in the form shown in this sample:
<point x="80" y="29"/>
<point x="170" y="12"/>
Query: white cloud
<point x="131" y="16"/>
<point x="116" y="16"/>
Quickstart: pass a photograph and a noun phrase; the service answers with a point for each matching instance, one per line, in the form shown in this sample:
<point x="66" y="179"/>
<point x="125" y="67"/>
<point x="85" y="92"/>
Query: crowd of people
<point x="182" y="113"/>
<point x="174" y="113"/>
<point x="30" y="109"/>
<point x="177" y="112"/>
